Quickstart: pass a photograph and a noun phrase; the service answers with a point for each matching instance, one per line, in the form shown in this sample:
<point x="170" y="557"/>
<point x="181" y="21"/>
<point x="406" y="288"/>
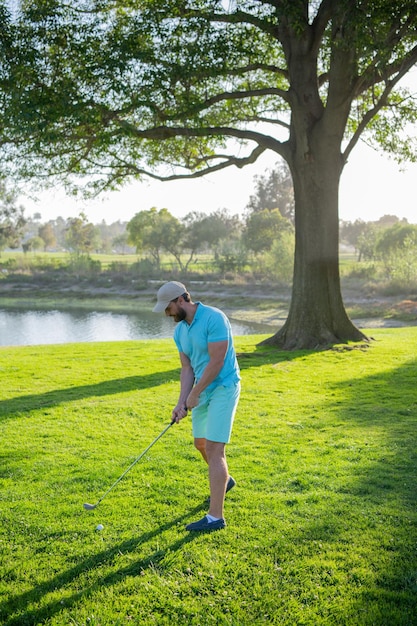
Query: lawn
<point x="321" y="527"/>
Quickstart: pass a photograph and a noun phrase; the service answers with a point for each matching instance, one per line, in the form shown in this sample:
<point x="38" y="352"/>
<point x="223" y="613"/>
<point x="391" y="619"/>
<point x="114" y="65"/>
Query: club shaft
<point x="134" y="462"/>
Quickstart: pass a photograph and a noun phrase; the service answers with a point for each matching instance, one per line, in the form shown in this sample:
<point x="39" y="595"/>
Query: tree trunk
<point x="317" y="317"/>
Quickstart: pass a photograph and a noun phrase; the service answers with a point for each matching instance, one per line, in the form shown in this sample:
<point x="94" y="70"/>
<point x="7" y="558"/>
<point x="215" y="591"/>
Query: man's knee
<point x="200" y="444"/>
<point x="215" y="449"/>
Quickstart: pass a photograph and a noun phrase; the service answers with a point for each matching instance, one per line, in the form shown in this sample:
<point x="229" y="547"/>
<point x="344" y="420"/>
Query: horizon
<point x="372" y="185"/>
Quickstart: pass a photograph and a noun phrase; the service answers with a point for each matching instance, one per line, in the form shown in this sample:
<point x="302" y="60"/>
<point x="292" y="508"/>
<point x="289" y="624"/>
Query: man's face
<point x="175" y="310"/>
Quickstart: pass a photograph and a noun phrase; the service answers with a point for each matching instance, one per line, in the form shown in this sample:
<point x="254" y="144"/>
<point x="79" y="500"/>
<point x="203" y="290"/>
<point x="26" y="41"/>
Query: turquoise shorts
<point x="213" y="418"/>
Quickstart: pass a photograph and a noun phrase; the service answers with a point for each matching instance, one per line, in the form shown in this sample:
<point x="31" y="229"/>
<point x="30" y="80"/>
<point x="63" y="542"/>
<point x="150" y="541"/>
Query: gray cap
<point x="166" y="293"/>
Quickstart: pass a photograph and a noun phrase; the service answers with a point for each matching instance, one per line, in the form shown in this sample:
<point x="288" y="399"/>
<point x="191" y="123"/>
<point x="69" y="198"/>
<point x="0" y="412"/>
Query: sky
<point x="372" y="185"/>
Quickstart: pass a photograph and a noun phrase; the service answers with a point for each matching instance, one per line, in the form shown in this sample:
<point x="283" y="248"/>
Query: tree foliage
<point x="156" y="231"/>
<point x="47" y="235"/>
<point x="274" y="190"/>
<point x="263" y="228"/>
<point x="393" y="238"/>
<point x="80" y="235"/>
<point x="12" y="218"/>
<point x="181" y="88"/>
<point x="211" y="228"/>
<point x="397" y="248"/>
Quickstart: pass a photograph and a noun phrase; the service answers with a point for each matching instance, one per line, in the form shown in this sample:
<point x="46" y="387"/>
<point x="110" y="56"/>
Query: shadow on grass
<point x="390" y="484"/>
<point x="32" y="402"/>
<point x="364" y="510"/>
<point x="20" y="603"/>
<point x="379" y="496"/>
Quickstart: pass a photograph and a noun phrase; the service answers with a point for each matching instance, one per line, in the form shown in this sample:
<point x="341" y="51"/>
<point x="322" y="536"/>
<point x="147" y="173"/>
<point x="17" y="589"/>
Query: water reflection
<point x="19" y="328"/>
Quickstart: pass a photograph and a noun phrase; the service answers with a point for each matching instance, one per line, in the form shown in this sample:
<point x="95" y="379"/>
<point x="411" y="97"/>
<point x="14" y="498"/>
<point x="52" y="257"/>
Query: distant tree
<point x="366" y="242"/>
<point x="208" y="230"/>
<point x="81" y="235"/>
<point x="138" y="226"/>
<point x="120" y="242"/>
<point x="12" y="218"/>
<point x="397" y="248"/>
<point x="263" y="228"/>
<point x="34" y="243"/>
<point x="196" y="235"/>
<point x="221" y="225"/>
<point x="282" y="257"/>
<point x="154" y="231"/>
<point x="350" y="232"/>
<point x="278" y="262"/>
<point x="109" y="232"/>
<point x="59" y="226"/>
<point x="364" y="235"/>
<point x="274" y="190"/>
<point x="231" y="255"/>
<point x="169" y="232"/>
<point x="392" y="239"/>
<point x="386" y="221"/>
<point x="47" y="234"/>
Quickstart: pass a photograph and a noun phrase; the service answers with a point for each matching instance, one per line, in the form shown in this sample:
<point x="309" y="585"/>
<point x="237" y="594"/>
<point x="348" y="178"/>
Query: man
<point x="209" y="385"/>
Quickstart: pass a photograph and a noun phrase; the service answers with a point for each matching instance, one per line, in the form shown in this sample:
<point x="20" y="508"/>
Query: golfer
<point x="210" y="386"/>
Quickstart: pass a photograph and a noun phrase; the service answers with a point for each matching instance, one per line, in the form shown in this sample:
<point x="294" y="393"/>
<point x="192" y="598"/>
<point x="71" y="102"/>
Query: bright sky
<point x="372" y="185"/>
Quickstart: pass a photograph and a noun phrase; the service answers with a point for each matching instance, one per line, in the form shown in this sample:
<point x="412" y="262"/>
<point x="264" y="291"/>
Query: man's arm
<point x="217" y="352"/>
<point x="186" y="384"/>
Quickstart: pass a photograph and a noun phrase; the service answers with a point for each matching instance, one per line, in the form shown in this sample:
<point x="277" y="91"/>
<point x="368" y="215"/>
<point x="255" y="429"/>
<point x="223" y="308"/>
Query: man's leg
<point x="218" y="476"/>
<point x="200" y="444"/>
<point x="217" y="426"/>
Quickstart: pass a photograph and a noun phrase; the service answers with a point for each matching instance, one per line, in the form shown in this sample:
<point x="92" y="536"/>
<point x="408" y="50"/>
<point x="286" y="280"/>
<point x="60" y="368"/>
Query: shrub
<point x="82" y="265"/>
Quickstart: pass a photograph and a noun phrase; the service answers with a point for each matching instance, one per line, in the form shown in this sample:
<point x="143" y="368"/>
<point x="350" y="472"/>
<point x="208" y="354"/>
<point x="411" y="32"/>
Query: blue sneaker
<point x="204" y="524"/>
<point x="230" y="484"/>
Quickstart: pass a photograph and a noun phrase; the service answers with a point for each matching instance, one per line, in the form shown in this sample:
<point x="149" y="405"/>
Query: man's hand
<point x="179" y="413"/>
<point x="193" y="399"/>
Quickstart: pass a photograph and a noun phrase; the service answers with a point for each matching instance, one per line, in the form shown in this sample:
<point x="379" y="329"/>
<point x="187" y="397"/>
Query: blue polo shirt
<point x="209" y="325"/>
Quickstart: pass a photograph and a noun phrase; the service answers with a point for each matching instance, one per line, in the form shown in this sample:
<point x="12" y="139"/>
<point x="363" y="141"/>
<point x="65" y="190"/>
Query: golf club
<point x="90" y="507"/>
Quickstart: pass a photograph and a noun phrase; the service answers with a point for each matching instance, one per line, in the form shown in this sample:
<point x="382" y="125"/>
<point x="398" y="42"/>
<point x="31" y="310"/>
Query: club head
<point x="89" y="507"/>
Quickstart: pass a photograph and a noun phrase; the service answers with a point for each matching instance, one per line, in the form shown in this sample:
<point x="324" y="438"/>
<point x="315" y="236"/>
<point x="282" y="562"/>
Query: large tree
<point x="180" y="88"/>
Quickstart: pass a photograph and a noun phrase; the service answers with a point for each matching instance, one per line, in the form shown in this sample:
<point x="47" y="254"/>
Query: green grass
<point x="321" y="526"/>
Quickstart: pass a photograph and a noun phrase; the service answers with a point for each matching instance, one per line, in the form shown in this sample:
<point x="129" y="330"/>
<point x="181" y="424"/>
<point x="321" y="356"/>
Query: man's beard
<point x="180" y="316"/>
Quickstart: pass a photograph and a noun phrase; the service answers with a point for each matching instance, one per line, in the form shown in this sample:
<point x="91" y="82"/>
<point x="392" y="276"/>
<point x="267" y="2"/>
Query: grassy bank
<point x="126" y="283"/>
<point x="248" y="305"/>
<point x="321" y="526"/>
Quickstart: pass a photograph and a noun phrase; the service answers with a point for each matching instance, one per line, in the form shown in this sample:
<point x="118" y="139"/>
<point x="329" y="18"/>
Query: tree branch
<point x="237" y="17"/>
<point x="232" y="95"/>
<point x="400" y="71"/>
<point x="124" y="169"/>
<point x="163" y="133"/>
<point x="320" y="22"/>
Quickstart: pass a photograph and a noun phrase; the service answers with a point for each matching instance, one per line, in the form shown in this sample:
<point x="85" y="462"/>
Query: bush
<point x="84" y="266"/>
<point x="143" y="268"/>
<point x="400" y="263"/>
<point x="230" y="256"/>
<point x="278" y="263"/>
<point x="361" y="271"/>
<point x="8" y="266"/>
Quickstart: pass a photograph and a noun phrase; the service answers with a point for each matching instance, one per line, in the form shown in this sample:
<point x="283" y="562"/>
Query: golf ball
<point x="99" y="527"/>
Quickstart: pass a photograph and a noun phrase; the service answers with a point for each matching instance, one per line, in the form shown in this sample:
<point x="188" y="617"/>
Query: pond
<point x="31" y="327"/>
